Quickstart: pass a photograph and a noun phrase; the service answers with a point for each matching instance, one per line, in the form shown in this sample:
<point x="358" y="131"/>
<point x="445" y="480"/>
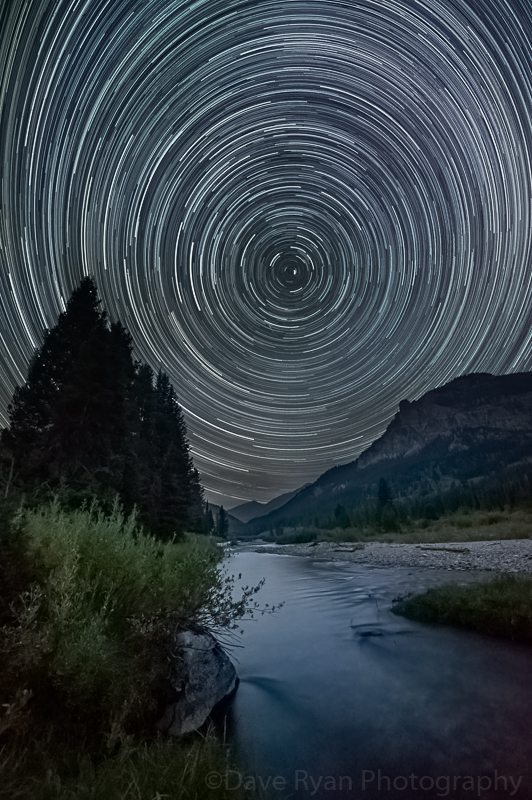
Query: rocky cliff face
<point x="486" y="406"/>
<point x="474" y="428"/>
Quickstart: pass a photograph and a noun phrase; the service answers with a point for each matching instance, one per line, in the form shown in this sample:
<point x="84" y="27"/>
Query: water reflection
<point x="336" y="686"/>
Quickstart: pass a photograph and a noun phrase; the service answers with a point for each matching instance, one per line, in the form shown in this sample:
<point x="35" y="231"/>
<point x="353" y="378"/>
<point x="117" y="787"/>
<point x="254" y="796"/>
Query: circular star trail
<point x="302" y="211"/>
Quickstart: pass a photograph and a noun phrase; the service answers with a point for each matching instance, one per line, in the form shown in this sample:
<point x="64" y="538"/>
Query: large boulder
<point x="201" y="676"/>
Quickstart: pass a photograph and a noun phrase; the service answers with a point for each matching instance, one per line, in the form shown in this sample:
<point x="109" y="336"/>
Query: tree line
<point x="93" y="422"/>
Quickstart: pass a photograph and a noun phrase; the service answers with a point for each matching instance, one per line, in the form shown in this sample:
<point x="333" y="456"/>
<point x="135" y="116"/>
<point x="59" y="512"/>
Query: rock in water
<point x="202" y="675"/>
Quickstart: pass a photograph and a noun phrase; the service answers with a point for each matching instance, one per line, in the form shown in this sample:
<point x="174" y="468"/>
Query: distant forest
<point x="92" y="422"/>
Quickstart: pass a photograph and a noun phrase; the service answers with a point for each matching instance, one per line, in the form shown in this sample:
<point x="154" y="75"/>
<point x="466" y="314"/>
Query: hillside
<point x="250" y="511"/>
<point x="236" y="527"/>
<point x="475" y="431"/>
<point x="247" y="511"/>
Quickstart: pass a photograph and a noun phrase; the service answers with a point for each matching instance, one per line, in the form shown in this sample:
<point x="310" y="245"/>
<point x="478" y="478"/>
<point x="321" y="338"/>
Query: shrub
<point x="501" y="607"/>
<point x="84" y="656"/>
<point x="296" y="536"/>
<point x="96" y="622"/>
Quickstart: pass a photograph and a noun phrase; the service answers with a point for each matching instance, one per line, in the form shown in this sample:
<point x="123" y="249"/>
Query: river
<point x="339" y="698"/>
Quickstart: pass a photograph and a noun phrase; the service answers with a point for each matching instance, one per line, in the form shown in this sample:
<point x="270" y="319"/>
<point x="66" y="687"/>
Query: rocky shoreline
<point x="512" y="555"/>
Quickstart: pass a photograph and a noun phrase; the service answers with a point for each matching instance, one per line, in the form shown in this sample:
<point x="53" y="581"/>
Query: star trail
<point x="303" y="212"/>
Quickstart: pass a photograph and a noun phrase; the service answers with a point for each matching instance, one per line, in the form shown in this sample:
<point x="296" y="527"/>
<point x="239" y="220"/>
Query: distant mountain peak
<point x="246" y="511"/>
<point x="470" y="401"/>
<point x="253" y="509"/>
<point x="469" y="429"/>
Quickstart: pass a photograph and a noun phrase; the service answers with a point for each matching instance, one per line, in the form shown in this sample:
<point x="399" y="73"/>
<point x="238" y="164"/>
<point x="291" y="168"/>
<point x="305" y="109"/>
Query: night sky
<point x="303" y="212"/>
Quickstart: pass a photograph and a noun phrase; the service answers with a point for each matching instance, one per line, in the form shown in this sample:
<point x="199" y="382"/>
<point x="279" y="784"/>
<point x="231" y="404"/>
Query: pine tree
<point x="197" y="520"/>
<point x="86" y="441"/>
<point x="170" y="496"/>
<point x="383" y="494"/>
<point x="209" y="519"/>
<point x="174" y="459"/>
<point x="91" y="422"/>
<point x="222" y="528"/>
<point x="182" y="501"/>
<point x="144" y="474"/>
<point x="341" y="516"/>
<point x="33" y="410"/>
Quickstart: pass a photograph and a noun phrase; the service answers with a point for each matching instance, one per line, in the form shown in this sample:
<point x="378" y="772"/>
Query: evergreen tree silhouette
<point x="209" y="519"/>
<point x="33" y="411"/>
<point x="222" y="528"/>
<point x="341" y="516"/>
<point x="181" y="493"/>
<point x="86" y="442"/>
<point x="174" y="461"/>
<point x="170" y="496"/>
<point x="145" y="477"/>
<point x="91" y="422"/>
<point x="384" y="495"/>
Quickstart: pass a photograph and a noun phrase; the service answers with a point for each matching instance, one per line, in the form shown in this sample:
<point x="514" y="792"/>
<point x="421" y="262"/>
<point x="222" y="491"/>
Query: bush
<point x="85" y="655"/>
<point x="96" y="622"/>
<point x="388" y="521"/>
<point x="295" y="536"/>
<point x="501" y="607"/>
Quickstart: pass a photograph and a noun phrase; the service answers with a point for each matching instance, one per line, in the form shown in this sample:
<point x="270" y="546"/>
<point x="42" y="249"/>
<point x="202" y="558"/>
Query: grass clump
<point x="500" y="607"/>
<point x="294" y="536"/>
<point x="148" y="770"/>
<point x="464" y="525"/>
<point x="84" y="655"/>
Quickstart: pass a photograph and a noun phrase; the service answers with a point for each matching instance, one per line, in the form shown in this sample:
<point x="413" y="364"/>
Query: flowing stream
<point x="339" y="698"/>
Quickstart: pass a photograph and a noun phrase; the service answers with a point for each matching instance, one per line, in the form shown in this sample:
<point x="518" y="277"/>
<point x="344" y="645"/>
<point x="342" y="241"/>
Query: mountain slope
<point x="476" y="428"/>
<point x="246" y="511"/>
<point x="249" y="511"/>
<point x="236" y="527"/>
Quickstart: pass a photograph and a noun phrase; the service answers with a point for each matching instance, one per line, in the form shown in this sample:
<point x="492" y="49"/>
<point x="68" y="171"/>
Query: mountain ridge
<point x="462" y="431"/>
<point x="246" y="509"/>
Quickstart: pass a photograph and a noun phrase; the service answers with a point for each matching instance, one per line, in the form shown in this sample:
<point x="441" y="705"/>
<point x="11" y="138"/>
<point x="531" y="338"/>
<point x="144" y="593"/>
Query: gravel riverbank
<point x="514" y="555"/>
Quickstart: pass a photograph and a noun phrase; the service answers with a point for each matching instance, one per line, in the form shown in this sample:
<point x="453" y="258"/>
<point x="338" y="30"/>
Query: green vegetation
<point x="84" y="654"/>
<point x="465" y="525"/>
<point x="94" y="582"/>
<point x="501" y="607"/>
<point x="102" y="592"/>
<point x="489" y="474"/>
<point x="222" y="524"/>
<point x="137" y="771"/>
